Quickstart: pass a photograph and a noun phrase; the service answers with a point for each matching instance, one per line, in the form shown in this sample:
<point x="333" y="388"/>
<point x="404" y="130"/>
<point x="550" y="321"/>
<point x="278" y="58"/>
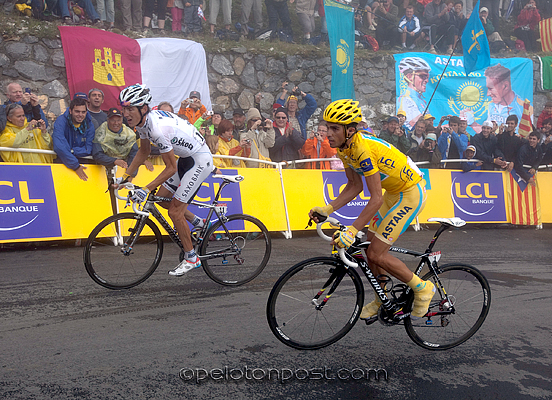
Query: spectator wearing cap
<point x="490" y="31"/>
<point x="228" y="146"/>
<point x="27" y="99"/>
<point x="429" y="119"/>
<point x="395" y="135"/>
<point x="73" y="136"/>
<point x="486" y="145"/>
<point x="318" y="146"/>
<point x="297" y="118"/>
<point x="95" y="101"/>
<point x="463" y="127"/>
<point x="114" y="142"/>
<point x="471" y="164"/>
<point x="238" y="118"/>
<point x="545" y="114"/>
<point x="384" y="126"/>
<point x="260" y="136"/>
<point x="288" y="140"/>
<point x="192" y="108"/>
<point x="427" y="152"/>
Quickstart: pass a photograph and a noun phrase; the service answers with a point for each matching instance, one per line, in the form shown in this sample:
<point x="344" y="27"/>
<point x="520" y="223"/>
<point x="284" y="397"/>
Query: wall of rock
<point x="235" y="77"/>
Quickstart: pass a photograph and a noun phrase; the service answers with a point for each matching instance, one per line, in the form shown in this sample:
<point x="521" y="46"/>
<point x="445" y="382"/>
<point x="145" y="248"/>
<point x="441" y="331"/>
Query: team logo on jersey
<point x="366" y="165"/>
<point x="393" y="222"/>
<point x="407" y="174"/>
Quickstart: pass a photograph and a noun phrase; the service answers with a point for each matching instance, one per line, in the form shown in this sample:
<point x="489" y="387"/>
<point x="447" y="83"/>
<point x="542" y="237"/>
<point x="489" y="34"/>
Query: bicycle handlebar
<point x="130" y="187"/>
<point x="341" y="251"/>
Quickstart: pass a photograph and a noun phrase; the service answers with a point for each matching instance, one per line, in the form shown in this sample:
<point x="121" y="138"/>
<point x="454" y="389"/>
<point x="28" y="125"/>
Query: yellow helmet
<point x="343" y="112"/>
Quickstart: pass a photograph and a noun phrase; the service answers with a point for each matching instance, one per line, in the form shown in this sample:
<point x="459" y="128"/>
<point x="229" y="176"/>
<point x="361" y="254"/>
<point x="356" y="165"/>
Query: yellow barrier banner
<point x="49" y="201"/>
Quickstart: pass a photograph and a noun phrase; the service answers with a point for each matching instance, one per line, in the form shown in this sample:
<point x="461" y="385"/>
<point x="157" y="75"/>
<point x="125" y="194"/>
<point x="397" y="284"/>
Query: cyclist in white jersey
<point x="182" y="178"/>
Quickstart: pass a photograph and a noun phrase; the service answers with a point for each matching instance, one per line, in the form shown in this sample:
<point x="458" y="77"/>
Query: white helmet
<point x="135" y="95"/>
<point x="413" y="64"/>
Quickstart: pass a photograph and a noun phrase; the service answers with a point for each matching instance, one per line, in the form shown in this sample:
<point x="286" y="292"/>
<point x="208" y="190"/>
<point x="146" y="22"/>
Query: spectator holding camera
<point x="192" y="108"/>
<point x="297" y="118"/>
<point x="527" y="21"/>
<point x="288" y="140"/>
<point x="27" y="99"/>
<point x="318" y="146"/>
<point x="19" y="133"/>
<point x="395" y="135"/>
<point x="427" y="151"/>
<point x="452" y="144"/>
<point x="228" y="146"/>
<point x="260" y="136"/>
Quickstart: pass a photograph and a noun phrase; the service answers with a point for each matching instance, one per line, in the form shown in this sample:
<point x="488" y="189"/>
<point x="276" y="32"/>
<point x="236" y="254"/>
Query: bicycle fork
<point x="335" y="279"/>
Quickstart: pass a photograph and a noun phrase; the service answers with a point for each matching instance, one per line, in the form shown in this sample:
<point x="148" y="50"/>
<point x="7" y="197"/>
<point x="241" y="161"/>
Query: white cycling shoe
<point x="185" y="266"/>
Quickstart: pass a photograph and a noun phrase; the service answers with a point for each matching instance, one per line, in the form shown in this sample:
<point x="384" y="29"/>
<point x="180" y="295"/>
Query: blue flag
<point x="341" y="32"/>
<point x="477" y="54"/>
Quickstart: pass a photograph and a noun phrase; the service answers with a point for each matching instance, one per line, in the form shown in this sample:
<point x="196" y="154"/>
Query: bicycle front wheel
<point x="303" y="315"/>
<point x="458" y="309"/>
<point x="123" y="251"/>
<point x="236" y="251"/>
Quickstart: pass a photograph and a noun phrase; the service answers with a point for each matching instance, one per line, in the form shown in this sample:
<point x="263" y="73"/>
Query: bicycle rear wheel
<point x="293" y="309"/>
<point x="236" y="251"/>
<point x="468" y="297"/>
<point x="109" y="260"/>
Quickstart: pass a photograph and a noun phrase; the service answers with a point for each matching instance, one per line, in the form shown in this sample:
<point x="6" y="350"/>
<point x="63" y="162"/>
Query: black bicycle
<point x="125" y="249"/>
<point x="317" y="301"/>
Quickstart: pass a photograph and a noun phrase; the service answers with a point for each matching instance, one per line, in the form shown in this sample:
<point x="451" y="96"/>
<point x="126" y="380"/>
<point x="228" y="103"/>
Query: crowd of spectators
<point x="86" y="134"/>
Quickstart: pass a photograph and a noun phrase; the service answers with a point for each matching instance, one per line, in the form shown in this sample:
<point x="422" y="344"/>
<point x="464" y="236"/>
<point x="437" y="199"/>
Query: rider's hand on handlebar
<point x="324" y="211"/>
<point x="344" y="239"/>
<point x="140" y="195"/>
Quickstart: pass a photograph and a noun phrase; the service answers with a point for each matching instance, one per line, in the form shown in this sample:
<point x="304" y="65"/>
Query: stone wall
<point x="235" y="77"/>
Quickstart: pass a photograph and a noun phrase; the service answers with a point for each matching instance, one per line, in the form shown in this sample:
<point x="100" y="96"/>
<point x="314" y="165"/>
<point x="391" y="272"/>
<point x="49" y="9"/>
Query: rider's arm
<point x="141" y="156"/>
<point x="170" y="169"/>
<point x="376" y="200"/>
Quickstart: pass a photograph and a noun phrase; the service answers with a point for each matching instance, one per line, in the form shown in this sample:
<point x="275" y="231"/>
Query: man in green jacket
<point x="395" y="135"/>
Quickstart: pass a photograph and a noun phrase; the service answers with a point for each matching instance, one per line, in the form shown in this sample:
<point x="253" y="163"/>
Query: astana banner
<point x="490" y="94"/>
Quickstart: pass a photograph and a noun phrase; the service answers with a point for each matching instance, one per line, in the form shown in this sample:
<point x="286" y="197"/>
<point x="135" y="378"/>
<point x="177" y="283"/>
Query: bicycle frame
<point x="389" y="305"/>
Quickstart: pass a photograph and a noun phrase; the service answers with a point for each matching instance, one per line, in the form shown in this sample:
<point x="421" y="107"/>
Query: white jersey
<point x="170" y="132"/>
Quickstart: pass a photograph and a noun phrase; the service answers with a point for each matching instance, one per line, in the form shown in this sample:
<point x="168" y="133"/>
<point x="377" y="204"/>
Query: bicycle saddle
<point x="231" y="178"/>
<point x="456" y="222"/>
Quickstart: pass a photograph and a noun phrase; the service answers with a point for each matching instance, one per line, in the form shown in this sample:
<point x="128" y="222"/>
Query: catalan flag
<point x="523" y="201"/>
<point x="545" y="27"/>
<point x="525" y="126"/>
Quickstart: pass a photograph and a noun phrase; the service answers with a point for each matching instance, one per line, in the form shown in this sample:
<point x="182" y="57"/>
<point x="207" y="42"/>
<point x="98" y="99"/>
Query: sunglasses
<point x="281" y="117"/>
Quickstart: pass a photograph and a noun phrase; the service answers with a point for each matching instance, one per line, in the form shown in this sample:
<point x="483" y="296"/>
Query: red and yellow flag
<point x="523" y="201"/>
<point x="525" y="127"/>
<point x="545" y="27"/>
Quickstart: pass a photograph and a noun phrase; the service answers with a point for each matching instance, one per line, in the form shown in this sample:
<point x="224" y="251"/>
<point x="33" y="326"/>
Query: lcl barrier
<point x="49" y="201"/>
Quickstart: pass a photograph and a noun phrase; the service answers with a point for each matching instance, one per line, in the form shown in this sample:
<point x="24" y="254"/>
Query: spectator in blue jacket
<point x="452" y="145"/>
<point x="297" y="118"/>
<point x="73" y="137"/>
<point x="28" y="100"/>
<point x="409" y="28"/>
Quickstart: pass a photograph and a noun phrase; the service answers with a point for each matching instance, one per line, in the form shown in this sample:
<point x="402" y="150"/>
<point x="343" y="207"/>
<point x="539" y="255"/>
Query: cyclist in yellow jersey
<point x="387" y="215"/>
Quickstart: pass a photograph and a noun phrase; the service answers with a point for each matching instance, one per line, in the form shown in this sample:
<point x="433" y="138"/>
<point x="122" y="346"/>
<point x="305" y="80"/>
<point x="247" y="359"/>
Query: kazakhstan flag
<point x="477" y="54"/>
<point x="341" y="32"/>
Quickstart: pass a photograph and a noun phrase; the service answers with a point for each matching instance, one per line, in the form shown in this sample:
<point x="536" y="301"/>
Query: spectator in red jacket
<point x="527" y="20"/>
<point x="545" y="114"/>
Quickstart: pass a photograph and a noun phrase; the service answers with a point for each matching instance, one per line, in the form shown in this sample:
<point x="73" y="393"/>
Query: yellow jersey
<point x="367" y="155"/>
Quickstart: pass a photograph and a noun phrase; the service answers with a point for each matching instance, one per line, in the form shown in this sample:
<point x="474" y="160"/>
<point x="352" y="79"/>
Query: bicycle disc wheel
<point x="292" y="312"/>
<point x="236" y="251"/>
<point x="469" y="292"/>
<point x="110" y="263"/>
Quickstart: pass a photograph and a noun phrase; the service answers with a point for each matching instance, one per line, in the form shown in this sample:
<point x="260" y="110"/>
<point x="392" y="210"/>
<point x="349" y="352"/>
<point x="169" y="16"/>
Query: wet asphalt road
<point x="64" y="337"/>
